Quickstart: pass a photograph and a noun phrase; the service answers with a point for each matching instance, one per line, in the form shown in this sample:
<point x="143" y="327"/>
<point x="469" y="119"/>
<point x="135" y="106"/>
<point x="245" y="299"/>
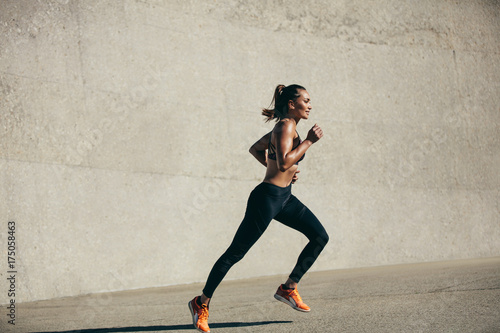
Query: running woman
<point x="280" y="151"/>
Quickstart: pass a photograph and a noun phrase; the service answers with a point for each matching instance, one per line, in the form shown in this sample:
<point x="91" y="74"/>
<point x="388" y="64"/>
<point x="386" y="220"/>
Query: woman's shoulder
<point x="286" y="125"/>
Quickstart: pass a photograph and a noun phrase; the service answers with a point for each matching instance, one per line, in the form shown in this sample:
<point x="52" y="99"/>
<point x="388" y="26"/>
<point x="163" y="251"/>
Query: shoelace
<point x="203" y="313"/>
<point x="296" y="294"/>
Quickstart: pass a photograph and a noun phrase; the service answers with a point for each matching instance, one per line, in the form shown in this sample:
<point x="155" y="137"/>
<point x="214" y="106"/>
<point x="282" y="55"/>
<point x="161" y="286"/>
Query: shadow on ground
<point x="169" y="327"/>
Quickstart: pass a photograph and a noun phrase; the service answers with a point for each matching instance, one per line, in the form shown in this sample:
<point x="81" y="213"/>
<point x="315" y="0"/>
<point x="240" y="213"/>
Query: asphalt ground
<point x="451" y="296"/>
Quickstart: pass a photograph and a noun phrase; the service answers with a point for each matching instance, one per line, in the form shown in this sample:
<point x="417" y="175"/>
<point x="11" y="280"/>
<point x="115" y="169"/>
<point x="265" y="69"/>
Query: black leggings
<point x="267" y="202"/>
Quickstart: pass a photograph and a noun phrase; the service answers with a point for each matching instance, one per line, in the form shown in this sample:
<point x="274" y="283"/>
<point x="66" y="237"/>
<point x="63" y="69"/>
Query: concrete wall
<point x="125" y="128"/>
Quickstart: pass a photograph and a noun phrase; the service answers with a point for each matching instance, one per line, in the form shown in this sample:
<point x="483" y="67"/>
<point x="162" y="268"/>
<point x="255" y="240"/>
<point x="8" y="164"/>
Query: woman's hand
<point x="258" y="149"/>
<point x="314" y="134"/>
<point x="295" y="177"/>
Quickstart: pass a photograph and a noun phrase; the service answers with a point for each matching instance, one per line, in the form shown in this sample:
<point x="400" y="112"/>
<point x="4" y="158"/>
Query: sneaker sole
<point x="194" y="321"/>
<point x="284" y="300"/>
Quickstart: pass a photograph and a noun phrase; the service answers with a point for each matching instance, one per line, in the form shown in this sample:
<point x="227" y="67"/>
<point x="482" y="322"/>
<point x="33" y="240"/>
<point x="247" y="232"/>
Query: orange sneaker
<point x="200" y="315"/>
<point x="292" y="298"/>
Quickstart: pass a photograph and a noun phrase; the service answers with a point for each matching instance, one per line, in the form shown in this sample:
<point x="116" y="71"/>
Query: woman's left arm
<point x="258" y="149"/>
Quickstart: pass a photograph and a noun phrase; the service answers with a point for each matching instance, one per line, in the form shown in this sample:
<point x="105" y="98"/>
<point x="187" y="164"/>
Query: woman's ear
<point x="291" y="105"/>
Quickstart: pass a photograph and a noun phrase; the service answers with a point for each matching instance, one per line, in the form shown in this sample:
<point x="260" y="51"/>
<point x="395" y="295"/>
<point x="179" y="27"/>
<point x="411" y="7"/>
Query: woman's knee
<point x="322" y="238"/>
<point x="234" y="254"/>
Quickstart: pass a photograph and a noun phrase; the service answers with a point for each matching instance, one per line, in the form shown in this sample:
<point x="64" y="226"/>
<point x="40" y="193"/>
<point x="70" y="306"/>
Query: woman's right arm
<point x="286" y="157"/>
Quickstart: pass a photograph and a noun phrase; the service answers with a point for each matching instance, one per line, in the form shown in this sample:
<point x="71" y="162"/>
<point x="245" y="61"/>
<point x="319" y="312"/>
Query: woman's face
<point x="302" y="105"/>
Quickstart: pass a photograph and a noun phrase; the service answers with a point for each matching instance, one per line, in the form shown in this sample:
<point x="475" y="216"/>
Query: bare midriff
<point x="279" y="178"/>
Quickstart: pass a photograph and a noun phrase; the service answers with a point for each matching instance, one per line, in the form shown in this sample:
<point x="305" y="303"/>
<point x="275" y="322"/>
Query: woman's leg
<point x="264" y="203"/>
<point x="297" y="216"/>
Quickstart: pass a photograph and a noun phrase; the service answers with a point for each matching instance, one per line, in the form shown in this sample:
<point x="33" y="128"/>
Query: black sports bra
<point x="271" y="152"/>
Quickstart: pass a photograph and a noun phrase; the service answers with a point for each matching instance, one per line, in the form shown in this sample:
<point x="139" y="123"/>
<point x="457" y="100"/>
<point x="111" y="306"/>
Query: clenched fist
<point x="314" y="134"/>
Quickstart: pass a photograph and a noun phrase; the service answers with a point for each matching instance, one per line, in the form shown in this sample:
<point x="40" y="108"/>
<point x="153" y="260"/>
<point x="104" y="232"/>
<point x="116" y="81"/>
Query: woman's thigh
<point x="261" y="209"/>
<point x="297" y="216"/>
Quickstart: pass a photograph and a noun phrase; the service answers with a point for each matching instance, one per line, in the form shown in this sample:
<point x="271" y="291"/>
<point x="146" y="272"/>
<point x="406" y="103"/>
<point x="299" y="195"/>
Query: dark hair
<point x="279" y="105"/>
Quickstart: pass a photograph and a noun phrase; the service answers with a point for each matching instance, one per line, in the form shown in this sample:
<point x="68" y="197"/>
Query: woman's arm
<point x="258" y="149"/>
<point x="286" y="157"/>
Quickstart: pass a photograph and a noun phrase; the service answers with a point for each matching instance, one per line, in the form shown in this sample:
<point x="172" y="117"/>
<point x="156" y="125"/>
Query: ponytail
<point x="270" y="113"/>
<point x="278" y="108"/>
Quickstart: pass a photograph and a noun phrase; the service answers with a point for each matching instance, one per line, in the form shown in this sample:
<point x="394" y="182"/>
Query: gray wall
<point x="125" y="128"/>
